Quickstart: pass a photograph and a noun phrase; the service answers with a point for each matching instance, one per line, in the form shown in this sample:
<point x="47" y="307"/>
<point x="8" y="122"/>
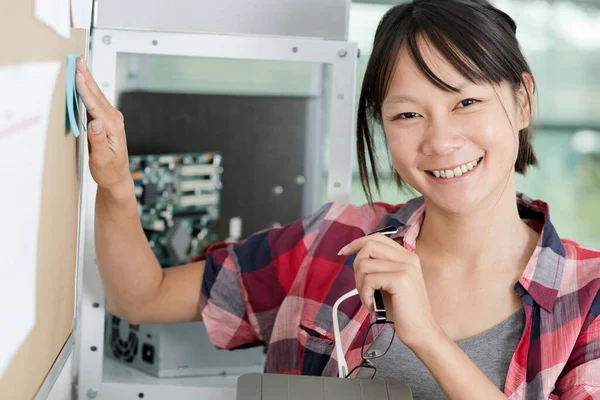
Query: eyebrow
<point x="400" y="99"/>
<point x="403" y="98"/>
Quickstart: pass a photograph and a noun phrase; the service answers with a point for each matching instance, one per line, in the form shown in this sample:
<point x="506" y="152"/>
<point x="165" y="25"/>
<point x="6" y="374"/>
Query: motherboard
<point x="178" y="199"/>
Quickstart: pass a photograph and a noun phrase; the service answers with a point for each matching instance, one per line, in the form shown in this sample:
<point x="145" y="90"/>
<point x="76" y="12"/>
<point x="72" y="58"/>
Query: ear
<point x="526" y="103"/>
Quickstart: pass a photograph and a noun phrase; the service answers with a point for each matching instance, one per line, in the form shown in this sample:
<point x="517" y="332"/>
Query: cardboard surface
<point x="25" y="39"/>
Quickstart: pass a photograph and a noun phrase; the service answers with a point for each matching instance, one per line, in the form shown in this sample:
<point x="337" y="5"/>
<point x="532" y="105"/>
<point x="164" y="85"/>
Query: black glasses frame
<point x="380" y="318"/>
<point x="366" y="358"/>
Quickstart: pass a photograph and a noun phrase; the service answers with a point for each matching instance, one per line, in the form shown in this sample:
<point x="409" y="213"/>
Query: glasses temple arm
<point x="342" y="366"/>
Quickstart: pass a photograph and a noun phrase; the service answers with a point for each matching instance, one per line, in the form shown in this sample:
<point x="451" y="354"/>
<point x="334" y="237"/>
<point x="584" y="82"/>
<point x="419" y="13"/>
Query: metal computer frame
<point x="91" y="379"/>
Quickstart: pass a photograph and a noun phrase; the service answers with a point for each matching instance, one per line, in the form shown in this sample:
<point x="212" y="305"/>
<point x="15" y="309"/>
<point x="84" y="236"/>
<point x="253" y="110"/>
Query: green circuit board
<point x="178" y="200"/>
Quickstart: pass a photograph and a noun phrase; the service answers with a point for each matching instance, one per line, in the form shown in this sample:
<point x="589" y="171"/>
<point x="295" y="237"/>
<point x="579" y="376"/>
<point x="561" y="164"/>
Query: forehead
<point x="407" y="74"/>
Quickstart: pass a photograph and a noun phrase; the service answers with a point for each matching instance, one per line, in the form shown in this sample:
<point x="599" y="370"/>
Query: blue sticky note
<point x="72" y="110"/>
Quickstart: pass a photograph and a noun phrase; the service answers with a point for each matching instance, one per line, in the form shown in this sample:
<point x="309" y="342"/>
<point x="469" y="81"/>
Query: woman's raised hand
<point x="109" y="164"/>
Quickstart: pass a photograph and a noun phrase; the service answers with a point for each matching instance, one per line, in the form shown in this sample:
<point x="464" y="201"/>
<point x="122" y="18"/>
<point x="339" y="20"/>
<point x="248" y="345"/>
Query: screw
<point x="294" y="49"/>
<point x="155" y="42"/>
<point x="107" y="40"/>
<point x="300" y="180"/>
<point x="278" y="190"/>
<point x="92" y="393"/>
<point x="342" y="52"/>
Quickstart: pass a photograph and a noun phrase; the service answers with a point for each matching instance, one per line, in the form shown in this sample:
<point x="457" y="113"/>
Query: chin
<point x="459" y="203"/>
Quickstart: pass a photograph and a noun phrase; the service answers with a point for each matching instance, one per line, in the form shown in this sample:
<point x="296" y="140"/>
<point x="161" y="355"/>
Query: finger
<point x="383" y="251"/>
<point x="100" y="152"/>
<point x="355" y="246"/>
<point x="93" y="105"/>
<point x="369" y="266"/>
<point x="375" y="282"/>
<point x="91" y="83"/>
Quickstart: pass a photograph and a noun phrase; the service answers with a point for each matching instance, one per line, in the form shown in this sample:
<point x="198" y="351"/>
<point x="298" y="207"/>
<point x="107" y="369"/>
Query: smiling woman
<point x="438" y="44"/>
<point x="470" y="265"/>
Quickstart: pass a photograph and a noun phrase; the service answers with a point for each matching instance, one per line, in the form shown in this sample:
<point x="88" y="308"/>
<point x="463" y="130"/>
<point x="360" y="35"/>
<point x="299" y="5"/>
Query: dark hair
<point x="472" y="35"/>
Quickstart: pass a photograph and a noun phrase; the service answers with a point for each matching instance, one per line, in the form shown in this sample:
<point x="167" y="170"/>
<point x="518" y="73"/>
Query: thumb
<point x="99" y="150"/>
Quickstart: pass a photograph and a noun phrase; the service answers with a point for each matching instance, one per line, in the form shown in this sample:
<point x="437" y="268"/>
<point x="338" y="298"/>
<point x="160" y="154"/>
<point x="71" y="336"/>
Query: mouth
<point x="456" y="172"/>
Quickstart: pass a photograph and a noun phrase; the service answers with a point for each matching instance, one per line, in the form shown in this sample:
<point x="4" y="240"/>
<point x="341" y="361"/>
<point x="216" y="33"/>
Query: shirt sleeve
<point x="581" y="378"/>
<point x="245" y="283"/>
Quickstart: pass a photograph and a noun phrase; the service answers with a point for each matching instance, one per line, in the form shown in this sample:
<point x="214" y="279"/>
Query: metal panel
<point x="176" y="351"/>
<point x="105" y="46"/>
<point x="327" y="19"/>
<point x="121" y="382"/>
<point x="262" y="141"/>
<point x="57" y="370"/>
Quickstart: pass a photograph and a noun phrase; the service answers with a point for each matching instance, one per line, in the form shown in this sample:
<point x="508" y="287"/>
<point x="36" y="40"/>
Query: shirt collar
<point x="542" y="276"/>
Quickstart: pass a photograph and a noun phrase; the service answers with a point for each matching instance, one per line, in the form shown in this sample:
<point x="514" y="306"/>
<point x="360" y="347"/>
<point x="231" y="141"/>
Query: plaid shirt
<point x="277" y="288"/>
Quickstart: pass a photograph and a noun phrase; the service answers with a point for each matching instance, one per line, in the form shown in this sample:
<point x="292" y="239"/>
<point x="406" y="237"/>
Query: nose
<point x="442" y="139"/>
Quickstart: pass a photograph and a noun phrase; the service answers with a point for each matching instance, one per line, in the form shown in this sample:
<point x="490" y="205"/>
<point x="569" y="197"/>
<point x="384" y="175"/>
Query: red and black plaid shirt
<point x="278" y="287"/>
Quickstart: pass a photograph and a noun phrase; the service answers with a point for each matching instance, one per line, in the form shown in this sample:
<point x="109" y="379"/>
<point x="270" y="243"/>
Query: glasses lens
<point x="367" y="372"/>
<point x="381" y="344"/>
<point x="363" y="371"/>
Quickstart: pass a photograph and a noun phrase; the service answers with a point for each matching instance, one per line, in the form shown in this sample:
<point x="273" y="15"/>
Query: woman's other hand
<point x="383" y="264"/>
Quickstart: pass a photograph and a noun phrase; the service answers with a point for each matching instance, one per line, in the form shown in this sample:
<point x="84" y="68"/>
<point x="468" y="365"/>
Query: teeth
<point x="458" y="171"/>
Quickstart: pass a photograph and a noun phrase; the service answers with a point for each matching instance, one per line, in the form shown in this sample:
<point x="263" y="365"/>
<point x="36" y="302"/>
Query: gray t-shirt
<point x="491" y="351"/>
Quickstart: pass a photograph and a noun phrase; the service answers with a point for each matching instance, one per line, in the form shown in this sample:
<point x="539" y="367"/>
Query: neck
<point x="492" y="234"/>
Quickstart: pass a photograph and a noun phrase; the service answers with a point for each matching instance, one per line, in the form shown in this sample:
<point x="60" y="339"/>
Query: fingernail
<point x="82" y="62"/>
<point x="96" y="126"/>
<point x="343" y="250"/>
<point x="80" y="75"/>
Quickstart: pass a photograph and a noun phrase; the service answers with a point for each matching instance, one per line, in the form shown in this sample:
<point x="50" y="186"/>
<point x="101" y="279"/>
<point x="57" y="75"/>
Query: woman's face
<point x="434" y="135"/>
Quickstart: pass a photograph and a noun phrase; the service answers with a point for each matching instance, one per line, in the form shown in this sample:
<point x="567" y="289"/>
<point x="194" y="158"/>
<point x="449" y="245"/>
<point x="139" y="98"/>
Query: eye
<point x="466" y="103"/>
<point x="408" y="115"/>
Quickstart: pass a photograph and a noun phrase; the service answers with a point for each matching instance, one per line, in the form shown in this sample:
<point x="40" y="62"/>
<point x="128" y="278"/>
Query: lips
<point x="457" y="171"/>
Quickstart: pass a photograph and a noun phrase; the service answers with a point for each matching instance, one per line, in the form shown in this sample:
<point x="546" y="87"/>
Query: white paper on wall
<point x="81" y="11"/>
<point x="25" y="101"/>
<point x="56" y="14"/>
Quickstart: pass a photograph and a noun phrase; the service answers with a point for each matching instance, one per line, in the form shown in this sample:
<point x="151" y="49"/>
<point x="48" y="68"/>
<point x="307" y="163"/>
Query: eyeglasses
<point x="367" y="354"/>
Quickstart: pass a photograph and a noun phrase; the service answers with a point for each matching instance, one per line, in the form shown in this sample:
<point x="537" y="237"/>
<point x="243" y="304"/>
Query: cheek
<point x="403" y="145"/>
<point x="494" y="133"/>
<point x="403" y="139"/>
